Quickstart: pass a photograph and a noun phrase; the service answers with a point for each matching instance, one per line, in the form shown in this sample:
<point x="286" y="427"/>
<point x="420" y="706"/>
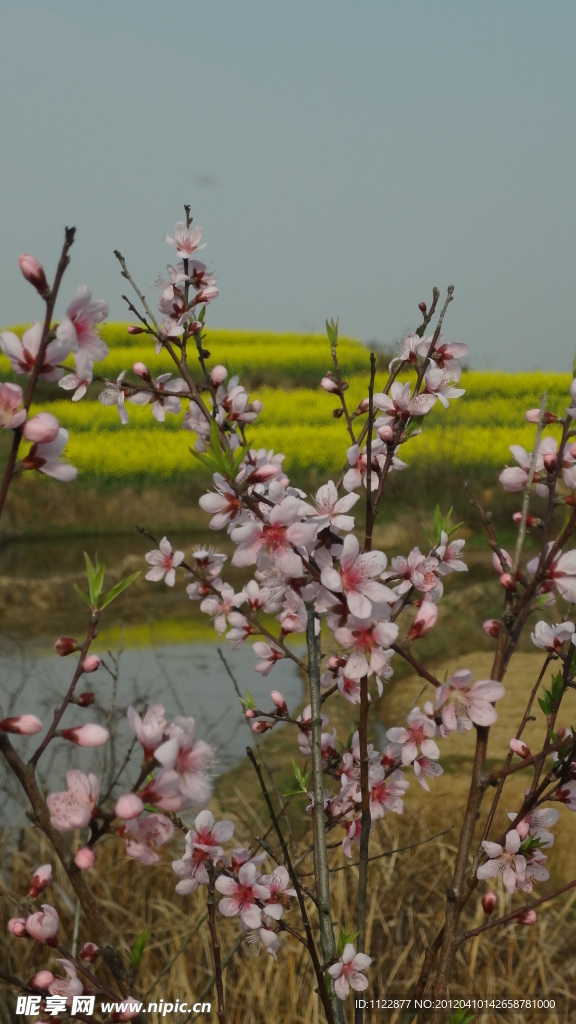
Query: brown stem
<point x="211" y="902"/>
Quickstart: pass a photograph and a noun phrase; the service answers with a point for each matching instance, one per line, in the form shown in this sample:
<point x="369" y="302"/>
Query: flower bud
<point x="34" y="274"/>
<point x="43" y="926"/>
<point x="84" y="700"/>
<point x="89" y="952"/>
<point x="25" y="725"/>
<point x="526" y="917"/>
<point x="218" y="375"/>
<point x="40" y="879"/>
<point x="65" y="645"/>
<point x="492" y="628"/>
<point x="141" y="370"/>
<point x="530" y="519"/>
<point x="508" y="582"/>
<point x="533" y="416"/>
<point x="422" y="307"/>
<point x="41" y="429"/>
<point x="522" y="828"/>
<point x="17" y="926"/>
<point x="91" y="663"/>
<point x="133" y="329"/>
<point x="85" y="858"/>
<point x="489" y="901"/>
<point x="259" y="727"/>
<point x="520" y="748"/>
<point x="128" y="806"/>
<point x="41" y="980"/>
<point x="330" y="385"/>
<point x="91" y="735"/>
<point x="249" y="713"/>
<point x="195" y="327"/>
<point x="279" y="702"/>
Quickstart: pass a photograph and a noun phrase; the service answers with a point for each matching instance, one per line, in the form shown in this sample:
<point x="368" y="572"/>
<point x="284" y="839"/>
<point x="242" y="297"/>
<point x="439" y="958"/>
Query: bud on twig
<point x="34" y="273"/>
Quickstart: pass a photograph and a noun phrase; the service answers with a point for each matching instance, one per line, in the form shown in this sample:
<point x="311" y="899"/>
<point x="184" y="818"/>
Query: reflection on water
<point x="189" y="677"/>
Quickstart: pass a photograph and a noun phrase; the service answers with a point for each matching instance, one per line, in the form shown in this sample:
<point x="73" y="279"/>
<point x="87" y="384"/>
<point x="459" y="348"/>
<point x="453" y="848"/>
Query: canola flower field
<point x="472" y="435"/>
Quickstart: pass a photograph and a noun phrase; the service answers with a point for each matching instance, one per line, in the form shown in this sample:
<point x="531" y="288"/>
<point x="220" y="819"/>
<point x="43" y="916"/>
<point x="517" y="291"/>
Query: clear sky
<point x="342" y="157"/>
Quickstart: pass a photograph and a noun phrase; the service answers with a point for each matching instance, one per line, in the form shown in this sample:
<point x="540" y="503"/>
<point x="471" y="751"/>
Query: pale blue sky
<point x="342" y="157"/>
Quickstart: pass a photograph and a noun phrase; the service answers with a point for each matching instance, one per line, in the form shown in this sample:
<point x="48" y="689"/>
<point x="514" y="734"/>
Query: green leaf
<point x="545" y="702"/>
<point x="332" y="332"/>
<point x="344" y="938"/>
<point x="248" y="701"/>
<point x="557" y="688"/>
<point x="116" y="590"/>
<point x="84" y="596"/>
<point x="136" y="955"/>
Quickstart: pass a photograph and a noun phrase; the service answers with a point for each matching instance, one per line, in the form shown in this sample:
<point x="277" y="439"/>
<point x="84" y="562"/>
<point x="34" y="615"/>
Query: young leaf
<point x="116" y="590"/>
<point x="136" y="955"/>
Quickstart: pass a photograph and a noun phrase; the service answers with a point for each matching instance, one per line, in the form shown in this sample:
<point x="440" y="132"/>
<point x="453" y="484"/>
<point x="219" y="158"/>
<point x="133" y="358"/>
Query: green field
<point x="472" y="435"/>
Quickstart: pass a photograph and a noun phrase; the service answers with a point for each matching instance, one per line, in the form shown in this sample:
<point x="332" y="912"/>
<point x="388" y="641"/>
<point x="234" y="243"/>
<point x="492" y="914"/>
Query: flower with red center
<point x="416" y="739"/>
<point x="240" y="896"/>
<point x="43" y="926"/>
<point x="363" y="640"/>
<point x="347" y="971"/>
<point x="185" y="240"/>
<point x="12" y="414"/>
<point x="356" y="579"/>
<point x="164" y="562"/>
<point x="74" y="807"/>
<point x="144" y="835"/>
<point x="464" y="702"/>
<point x="505" y="861"/>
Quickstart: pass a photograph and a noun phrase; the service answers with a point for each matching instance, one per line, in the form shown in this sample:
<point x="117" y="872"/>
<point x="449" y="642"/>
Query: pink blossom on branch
<point x="23" y="352"/>
<point x="40" y="879"/>
<point x="164" y="562"/>
<point x="347" y="972"/>
<point x="73" y="808"/>
<point x="25" y="725"/>
<point x="463" y="702"/>
<point x="33" y="271"/>
<point x="504" y="861"/>
<point x="78" y="328"/>
<point x="12" y="414"/>
<point x="45" y="458"/>
<point x="89" y="735"/>
<point x="356" y="578"/>
<point x="43" y="925"/>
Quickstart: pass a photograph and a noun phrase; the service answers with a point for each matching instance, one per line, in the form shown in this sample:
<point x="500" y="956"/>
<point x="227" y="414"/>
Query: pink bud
<point x="128" y="806"/>
<point x="259" y="727"/>
<point x="218" y="375"/>
<point x="65" y="645"/>
<point x="330" y="385"/>
<point x="520" y="748"/>
<point x="522" y="828"/>
<point x="41" y="429"/>
<point x="141" y="370"/>
<point x="17" y="926"/>
<point x="492" y="628"/>
<point x="363" y="407"/>
<point x="26" y="725"/>
<point x="526" y="917"/>
<point x="41" y="980"/>
<point x="489" y="901"/>
<point x="89" y="952"/>
<point x="133" y="329"/>
<point x="249" y="713"/>
<point x="425" y="620"/>
<point x="533" y="416"/>
<point x="385" y="433"/>
<point x="34" y="273"/>
<point x="91" y="735"/>
<point x="530" y="519"/>
<point x="508" y="582"/>
<point x="549" y="463"/>
<point x="43" y="926"/>
<point x="84" y="700"/>
<point x="279" y="702"/>
<point x="40" y="879"/>
<point x="91" y="663"/>
<point x="85" y="858"/>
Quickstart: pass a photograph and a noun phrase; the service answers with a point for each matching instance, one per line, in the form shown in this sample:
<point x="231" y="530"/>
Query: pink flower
<point x="347" y="971"/>
<point x="115" y="394"/>
<point x="25" y="725"/>
<point x="441" y="383"/>
<point x="150" y="729"/>
<point x="12" y="414"/>
<point x="164" y="562"/>
<point x="144" y="835"/>
<point x="70" y="986"/>
<point x="448" y="554"/>
<point x="187" y="762"/>
<point x="185" y="240"/>
<point x="78" y="331"/>
<point x="418" y="571"/>
<point x="240" y="896"/>
<point x="45" y="458"/>
<point x="277" y="537"/>
<point x="552" y="638"/>
<point x="269" y="655"/>
<point x="538" y="823"/>
<point x="464" y="703"/>
<point x="40" y="879"/>
<point x="23" y="352"/>
<point x="33" y="271"/>
<point x="275" y="890"/>
<point x="561" y="573"/>
<point x="400" y="403"/>
<point x="331" y="509"/>
<point x="504" y="861"/>
<point x="356" y="578"/>
<point x="77" y="382"/>
<point x="202" y="844"/>
<point x="43" y="926"/>
<point x="74" y="807"/>
<point x="90" y="735"/>
<point x="417" y="738"/>
<point x="362" y="639"/>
